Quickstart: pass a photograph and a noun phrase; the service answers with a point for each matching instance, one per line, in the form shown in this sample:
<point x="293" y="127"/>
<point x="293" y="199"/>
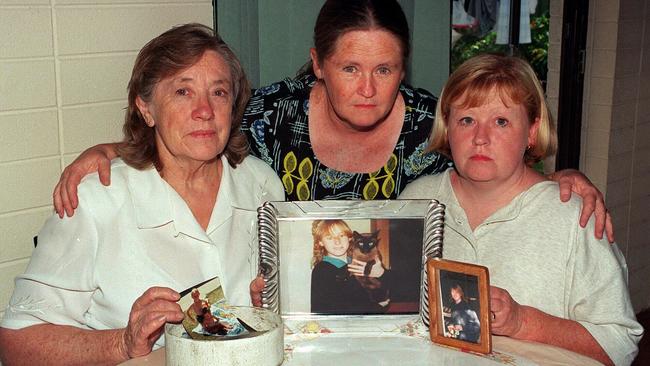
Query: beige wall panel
<point x="92" y="124"/>
<point x="639" y="289"/>
<point x="626" y="89"/>
<point x="603" y="63"/>
<point x="619" y="166"/>
<point x="605" y="35"/>
<point x="644" y="91"/>
<point x="621" y="140"/>
<point x="27" y="184"/>
<point x="95" y="79"/>
<point x="623" y="115"/>
<point x="642" y="163"/>
<point x="598" y="141"/>
<point x="640" y="189"/>
<point x="18" y="231"/>
<point x="102" y="28"/>
<point x="553" y="78"/>
<point x="643" y="115"/>
<point x="639" y="216"/>
<point x="630" y="9"/>
<point x="69" y="158"/>
<point x="24" y="2"/>
<point x="642" y="138"/>
<point x="596" y="169"/>
<point x="599" y="117"/>
<point x="27" y="84"/>
<point x="628" y="62"/>
<point x="111" y="2"/>
<point x="28" y="135"/>
<point x="600" y="90"/>
<point x="7" y="274"/>
<point x="605" y="10"/>
<point x="26" y="32"/>
<point x="618" y="193"/>
<point x="620" y="223"/>
<point x="633" y="34"/>
<point x="554" y="51"/>
<point x="555" y="23"/>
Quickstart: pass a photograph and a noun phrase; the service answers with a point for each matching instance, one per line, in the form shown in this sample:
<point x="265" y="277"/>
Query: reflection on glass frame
<point x="460" y="305"/>
<point x="348" y="257"/>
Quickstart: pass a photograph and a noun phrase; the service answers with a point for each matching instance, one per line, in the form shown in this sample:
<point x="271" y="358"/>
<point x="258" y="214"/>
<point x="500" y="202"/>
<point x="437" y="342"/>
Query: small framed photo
<point x="459" y="305"/>
<point x="343" y="258"/>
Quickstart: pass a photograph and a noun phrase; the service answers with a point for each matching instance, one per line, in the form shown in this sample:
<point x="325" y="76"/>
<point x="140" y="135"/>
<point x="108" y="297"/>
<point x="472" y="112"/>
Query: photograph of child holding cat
<point x="347" y="276"/>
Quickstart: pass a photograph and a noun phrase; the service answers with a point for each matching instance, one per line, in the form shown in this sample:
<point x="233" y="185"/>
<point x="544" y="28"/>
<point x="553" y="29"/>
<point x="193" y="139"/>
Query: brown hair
<point x="320" y="228"/>
<point x="460" y="291"/>
<point x="164" y="56"/>
<point x="338" y="17"/>
<point x="476" y="80"/>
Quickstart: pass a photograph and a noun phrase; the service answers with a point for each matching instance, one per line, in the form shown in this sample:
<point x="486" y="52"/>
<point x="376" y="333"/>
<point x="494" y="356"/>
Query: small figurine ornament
<point x="209" y="322"/>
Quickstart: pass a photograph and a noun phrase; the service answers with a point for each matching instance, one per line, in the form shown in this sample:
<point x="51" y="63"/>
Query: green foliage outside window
<point x="535" y="52"/>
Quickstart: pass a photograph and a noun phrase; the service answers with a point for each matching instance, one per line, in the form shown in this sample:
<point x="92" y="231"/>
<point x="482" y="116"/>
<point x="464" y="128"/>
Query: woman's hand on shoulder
<point x="593" y="202"/>
<point x="149" y="313"/>
<point x="95" y="159"/>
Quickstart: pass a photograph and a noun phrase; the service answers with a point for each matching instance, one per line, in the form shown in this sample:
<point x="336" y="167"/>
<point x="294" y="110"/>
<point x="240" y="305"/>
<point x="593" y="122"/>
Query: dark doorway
<point x="572" y="71"/>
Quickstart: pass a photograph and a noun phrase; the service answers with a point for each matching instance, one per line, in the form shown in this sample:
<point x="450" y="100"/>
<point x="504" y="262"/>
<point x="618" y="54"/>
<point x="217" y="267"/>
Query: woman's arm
<point x="508" y="318"/>
<point x="47" y="344"/>
<point x="571" y="180"/>
<point x="67" y="345"/>
<point x="95" y="159"/>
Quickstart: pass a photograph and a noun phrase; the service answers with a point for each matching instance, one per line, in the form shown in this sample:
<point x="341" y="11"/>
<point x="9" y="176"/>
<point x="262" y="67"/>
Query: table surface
<point x="400" y="341"/>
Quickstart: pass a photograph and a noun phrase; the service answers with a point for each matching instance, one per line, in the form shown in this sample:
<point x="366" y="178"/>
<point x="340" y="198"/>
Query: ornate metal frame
<point x="271" y="213"/>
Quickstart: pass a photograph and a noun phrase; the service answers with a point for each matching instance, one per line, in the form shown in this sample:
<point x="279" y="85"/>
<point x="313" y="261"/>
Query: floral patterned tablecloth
<point x="386" y="340"/>
<point x="382" y="340"/>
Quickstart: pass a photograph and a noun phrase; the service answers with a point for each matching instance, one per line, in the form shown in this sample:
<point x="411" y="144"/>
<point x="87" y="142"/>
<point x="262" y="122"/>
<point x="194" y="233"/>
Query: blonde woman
<point x="554" y="282"/>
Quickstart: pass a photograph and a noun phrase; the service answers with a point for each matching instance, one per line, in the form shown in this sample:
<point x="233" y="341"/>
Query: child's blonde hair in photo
<point x="319" y="229"/>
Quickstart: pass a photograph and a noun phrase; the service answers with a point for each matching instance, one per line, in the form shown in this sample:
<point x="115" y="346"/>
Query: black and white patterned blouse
<point x="275" y="122"/>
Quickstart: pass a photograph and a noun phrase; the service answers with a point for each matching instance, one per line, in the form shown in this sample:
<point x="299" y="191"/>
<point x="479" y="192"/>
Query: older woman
<point x="180" y="210"/>
<point x="554" y="282"/>
<point x="348" y="127"/>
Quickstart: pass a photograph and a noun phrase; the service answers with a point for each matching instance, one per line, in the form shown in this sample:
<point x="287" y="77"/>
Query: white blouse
<point x="137" y="233"/>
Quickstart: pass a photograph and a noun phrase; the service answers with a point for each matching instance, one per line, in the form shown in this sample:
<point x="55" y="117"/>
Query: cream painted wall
<point x="616" y="133"/>
<point x="64" y="65"/>
<point x="615" y="146"/>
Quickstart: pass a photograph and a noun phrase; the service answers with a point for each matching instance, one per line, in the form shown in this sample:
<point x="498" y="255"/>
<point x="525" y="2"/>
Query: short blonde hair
<point x="320" y="228"/>
<point x="476" y="80"/>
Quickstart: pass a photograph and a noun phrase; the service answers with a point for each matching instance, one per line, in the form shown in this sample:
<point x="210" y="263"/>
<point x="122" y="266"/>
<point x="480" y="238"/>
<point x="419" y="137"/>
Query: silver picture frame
<point x="286" y="247"/>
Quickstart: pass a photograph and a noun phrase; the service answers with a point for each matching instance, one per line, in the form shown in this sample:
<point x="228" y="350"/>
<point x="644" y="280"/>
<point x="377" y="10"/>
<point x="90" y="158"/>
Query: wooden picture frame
<point x="410" y="232"/>
<point x="459" y="305"/>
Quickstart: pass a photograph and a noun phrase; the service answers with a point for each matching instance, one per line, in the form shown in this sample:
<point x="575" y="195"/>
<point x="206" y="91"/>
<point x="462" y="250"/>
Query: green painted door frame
<point x="273" y="37"/>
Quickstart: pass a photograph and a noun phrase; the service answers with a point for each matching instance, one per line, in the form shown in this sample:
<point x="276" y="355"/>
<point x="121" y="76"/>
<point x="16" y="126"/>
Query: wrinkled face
<point x="362" y="77"/>
<point x="191" y="111"/>
<point x="488" y="142"/>
<point x="336" y="242"/>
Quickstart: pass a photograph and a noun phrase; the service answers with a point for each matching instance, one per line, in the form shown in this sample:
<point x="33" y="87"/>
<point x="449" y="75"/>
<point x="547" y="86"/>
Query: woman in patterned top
<point x="347" y="127"/>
